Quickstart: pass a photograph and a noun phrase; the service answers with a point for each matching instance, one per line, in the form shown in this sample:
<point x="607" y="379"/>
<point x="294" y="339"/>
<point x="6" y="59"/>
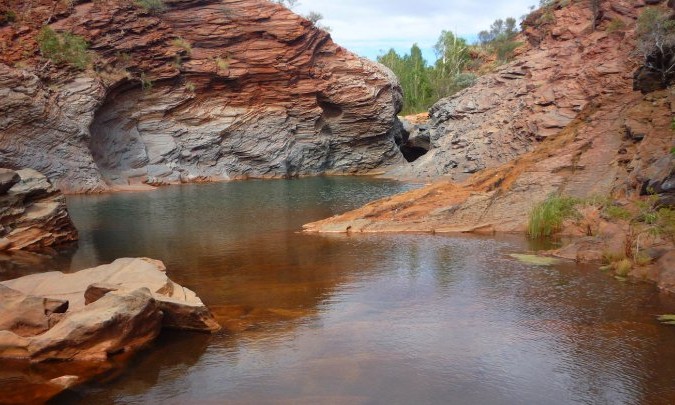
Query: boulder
<point x="666" y="271"/>
<point x="78" y="321"/>
<point x="182" y="308"/>
<point x="8" y="178"/>
<point x="118" y="322"/>
<point x="27" y="315"/>
<point x="33" y="214"/>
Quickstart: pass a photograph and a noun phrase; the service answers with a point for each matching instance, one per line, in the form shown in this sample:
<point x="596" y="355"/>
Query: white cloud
<point x="370" y="26"/>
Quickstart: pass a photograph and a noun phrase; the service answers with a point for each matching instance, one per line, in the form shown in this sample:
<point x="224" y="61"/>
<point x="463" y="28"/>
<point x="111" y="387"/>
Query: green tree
<point x="500" y="38"/>
<point x="453" y="56"/>
<point x="419" y="87"/>
<point x="413" y="73"/>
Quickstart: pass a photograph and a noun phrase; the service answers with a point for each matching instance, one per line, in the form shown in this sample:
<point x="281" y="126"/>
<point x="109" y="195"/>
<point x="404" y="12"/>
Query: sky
<point x="371" y="27"/>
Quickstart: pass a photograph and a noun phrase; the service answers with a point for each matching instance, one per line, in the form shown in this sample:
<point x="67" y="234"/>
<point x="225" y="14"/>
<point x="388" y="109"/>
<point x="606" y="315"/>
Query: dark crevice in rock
<point x="330" y="110"/>
<point x="412" y="153"/>
<point x="413" y="140"/>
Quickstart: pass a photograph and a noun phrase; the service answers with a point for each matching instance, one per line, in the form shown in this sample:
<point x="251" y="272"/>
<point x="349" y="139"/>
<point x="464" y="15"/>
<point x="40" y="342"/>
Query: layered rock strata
<point x="33" y="214"/>
<point x="562" y="67"/>
<point x="573" y="88"/>
<point x="205" y="90"/>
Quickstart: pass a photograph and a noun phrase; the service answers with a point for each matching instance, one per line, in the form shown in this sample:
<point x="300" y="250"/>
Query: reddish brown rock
<point x="114" y="310"/>
<point x="181" y="306"/>
<point x="665" y="269"/>
<point x="552" y="81"/>
<point x="239" y="89"/>
<point x="28" y="315"/>
<point x="113" y="324"/>
<point x="33" y="214"/>
<point x="497" y="121"/>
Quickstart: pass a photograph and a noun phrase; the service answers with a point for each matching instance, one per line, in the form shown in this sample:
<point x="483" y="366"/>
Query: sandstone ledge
<point x="93" y="315"/>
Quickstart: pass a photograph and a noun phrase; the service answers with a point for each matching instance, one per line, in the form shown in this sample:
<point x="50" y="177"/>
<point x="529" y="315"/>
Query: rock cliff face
<point x="205" y="90"/>
<point x="562" y="68"/>
<point x="33" y="214"/>
<point x="568" y="99"/>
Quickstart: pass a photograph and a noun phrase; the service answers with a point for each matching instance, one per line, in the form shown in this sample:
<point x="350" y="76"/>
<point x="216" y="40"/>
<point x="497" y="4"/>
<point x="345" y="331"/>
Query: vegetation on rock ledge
<point x="151" y="6"/>
<point x="65" y="48"/>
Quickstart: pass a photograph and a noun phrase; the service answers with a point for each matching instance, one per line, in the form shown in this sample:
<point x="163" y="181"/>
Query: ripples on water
<point x="367" y="318"/>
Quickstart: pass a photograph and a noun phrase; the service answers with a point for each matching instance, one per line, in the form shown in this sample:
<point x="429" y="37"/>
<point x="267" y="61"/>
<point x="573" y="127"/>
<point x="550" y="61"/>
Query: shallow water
<point x="367" y="318"/>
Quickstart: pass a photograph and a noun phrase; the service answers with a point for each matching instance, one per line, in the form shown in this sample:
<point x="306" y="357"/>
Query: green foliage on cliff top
<point x="63" y="48"/>
<point x="455" y="67"/>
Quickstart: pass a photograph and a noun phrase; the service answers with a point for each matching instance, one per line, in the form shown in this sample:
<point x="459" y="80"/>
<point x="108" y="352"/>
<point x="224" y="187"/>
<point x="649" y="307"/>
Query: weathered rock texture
<point x="573" y="89"/>
<point x="238" y="89"/>
<point x="562" y="68"/>
<point x="86" y="323"/>
<point x="181" y="307"/>
<point x="33" y="214"/>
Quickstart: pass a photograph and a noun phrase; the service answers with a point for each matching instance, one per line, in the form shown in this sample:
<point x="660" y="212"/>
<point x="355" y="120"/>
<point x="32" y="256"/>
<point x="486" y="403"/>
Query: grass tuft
<point x="548" y="216"/>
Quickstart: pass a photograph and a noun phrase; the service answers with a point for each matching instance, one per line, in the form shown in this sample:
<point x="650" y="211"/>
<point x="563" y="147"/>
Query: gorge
<point x="323" y="283"/>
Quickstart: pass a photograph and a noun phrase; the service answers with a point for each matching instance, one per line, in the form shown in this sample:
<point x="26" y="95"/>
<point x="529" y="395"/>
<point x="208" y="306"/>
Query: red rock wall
<point x="240" y="88"/>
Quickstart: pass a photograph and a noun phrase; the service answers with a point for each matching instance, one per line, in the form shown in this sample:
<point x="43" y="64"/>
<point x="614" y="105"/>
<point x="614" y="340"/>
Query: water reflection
<point x="368" y="318"/>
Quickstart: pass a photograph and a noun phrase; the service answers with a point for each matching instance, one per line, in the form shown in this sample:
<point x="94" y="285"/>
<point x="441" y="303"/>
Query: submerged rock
<point x="535" y="260"/>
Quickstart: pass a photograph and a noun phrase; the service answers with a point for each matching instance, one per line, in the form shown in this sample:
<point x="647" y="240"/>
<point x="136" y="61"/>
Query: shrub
<point x="146" y="82"/>
<point x="151" y="6"/>
<point x="7" y="17"/>
<point x="222" y="63"/>
<point x="191" y="87"/>
<point x="617" y="212"/>
<point x="505" y="49"/>
<point x="182" y="44"/>
<point x="612" y="257"/>
<point x="615" y="25"/>
<point x="548" y="216"/>
<point x="66" y="48"/>
<point x="665" y="221"/>
<point x="177" y="62"/>
<point x="124" y="58"/>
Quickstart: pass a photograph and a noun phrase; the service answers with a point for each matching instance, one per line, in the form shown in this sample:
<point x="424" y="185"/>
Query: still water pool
<point x="367" y="319"/>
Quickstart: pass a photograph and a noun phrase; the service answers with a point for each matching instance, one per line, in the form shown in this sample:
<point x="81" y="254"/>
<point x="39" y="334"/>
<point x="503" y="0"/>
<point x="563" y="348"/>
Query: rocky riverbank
<point x="90" y="317"/>
<point x="572" y="115"/>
